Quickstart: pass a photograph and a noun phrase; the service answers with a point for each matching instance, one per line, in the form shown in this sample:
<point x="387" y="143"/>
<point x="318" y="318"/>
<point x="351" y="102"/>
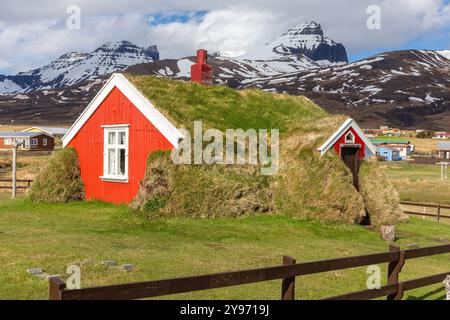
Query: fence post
<point x="394" y="269"/>
<point x="56" y="285"/>
<point x="288" y="284"/>
<point x="438" y="213"/>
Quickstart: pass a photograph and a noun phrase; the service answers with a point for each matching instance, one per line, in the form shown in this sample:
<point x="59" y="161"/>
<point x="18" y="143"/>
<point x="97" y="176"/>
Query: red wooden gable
<point x="144" y="138"/>
<point x="358" y="140"/>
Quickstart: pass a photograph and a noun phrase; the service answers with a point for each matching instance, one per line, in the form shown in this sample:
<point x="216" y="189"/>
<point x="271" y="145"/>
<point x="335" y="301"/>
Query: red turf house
<point x="351" y="145"/>
<point x="114" y="136"/>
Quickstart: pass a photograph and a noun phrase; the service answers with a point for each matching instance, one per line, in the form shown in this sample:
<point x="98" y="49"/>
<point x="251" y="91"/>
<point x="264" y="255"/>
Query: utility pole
<point x="15" y="145"/>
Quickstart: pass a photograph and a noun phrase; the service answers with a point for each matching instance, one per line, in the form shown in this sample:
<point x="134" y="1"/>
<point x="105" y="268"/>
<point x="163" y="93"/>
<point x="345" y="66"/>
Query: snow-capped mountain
<point x="302" y="47"/>
<point x="408" y="89"/>
<point x="75" y="67"/>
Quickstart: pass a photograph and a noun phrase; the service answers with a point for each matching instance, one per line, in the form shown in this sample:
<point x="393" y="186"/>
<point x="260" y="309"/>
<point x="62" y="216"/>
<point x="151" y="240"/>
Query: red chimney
<point x="201" y="72"/>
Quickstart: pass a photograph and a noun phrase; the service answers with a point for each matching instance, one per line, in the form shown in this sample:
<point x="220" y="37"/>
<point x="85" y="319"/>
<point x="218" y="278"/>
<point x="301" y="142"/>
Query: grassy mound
<point x="380" y="197"/>
<point x="306" y="186"/>
<point x="201" y="191"/>
<point x="60" y="181"/>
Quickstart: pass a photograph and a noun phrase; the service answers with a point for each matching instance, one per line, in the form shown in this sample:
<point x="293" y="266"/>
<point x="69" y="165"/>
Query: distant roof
<point x="51" y="130"/>
<point x="386" y="148"/>
<point x="389" y="141"/>
<point x="14" y="134"/>
<point x="443" y="146"/>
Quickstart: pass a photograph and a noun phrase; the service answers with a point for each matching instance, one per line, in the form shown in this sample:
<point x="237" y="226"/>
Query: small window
<point x="44" y="142"/>
<point x="116" y="153"/>
<point x="8" y="142"/>
<point x="34" y="142"/>
<point x="350" y="138"/>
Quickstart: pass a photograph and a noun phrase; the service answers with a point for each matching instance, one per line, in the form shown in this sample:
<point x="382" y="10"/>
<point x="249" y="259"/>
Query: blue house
<point x="389" y="154"/>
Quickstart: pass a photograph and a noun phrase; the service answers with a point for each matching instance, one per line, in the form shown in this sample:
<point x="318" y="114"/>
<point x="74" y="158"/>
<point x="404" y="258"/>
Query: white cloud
<point x="34" y="32"/>
<point x="233" y="29"/>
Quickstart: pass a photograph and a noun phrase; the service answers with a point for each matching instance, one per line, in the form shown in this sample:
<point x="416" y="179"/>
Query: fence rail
<point x="27" y="181"/>
<point x="287" y="272"/>
<point x="438" y="214"/>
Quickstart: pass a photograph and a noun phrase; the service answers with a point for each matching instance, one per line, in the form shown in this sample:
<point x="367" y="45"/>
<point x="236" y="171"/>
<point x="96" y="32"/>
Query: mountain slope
<point x="409" y="89"/>
<point x="75" y="67"/>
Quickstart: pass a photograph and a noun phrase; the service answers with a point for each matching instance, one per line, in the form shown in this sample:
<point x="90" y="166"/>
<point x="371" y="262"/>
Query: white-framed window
<point x="350" y="137"/>
<point x="44" y="142"/>
<point x="34" y="142"/>
<point x="8" y="141"/>
<point x="115" y="154"/>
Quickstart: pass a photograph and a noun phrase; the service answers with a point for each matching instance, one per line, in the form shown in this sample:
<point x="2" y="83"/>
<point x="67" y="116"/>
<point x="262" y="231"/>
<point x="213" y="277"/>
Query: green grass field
<point x="55" y="236"/>
<point x="420" y="183"/>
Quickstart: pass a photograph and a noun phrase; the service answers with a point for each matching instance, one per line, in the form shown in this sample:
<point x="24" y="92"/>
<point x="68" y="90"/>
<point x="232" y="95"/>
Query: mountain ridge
<point x="75" y="67"/>
<point x="407" y="88"/>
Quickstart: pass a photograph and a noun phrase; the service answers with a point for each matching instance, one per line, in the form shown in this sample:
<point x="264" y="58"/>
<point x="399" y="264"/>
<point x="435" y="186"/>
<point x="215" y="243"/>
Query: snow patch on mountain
<point x="9" y="87"/>
<point x="444" y="53"/>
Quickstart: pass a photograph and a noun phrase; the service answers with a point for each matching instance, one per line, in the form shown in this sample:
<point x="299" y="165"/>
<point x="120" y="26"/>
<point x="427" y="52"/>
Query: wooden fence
<point x="287" y="273"/>
<point x="22" y="184"/>
<point x="438" y="215"/>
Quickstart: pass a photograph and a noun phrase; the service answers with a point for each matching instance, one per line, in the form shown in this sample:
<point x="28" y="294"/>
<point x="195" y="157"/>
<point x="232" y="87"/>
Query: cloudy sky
<point x="32" y="33"/>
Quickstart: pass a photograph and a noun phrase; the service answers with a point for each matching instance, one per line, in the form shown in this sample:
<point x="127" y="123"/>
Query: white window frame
<point x="44" y="142"/>
<point x="353" y="137"/>
<point x="34" y="142"/>
<point x="7" y="141"/>
<point x="106" y="146"/>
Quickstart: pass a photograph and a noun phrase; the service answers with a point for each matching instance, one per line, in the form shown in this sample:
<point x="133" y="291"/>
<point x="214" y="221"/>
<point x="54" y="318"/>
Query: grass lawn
<point x="420" y="183"/>
<point x="424" y="145"/>
<point x="55" y="236"/>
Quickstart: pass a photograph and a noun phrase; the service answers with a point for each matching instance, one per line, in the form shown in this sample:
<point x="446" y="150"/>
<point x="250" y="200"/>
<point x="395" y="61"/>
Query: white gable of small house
<point x="349" y="123"/>
<point x="119" y="81"/>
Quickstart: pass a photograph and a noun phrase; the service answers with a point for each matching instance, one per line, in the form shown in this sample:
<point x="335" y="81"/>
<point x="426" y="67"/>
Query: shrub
<point x="381" y="200"/>
<point x="60" y="181"/>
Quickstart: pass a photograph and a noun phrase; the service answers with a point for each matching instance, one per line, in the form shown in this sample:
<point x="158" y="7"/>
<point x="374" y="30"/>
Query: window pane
<point x="111" y="138"/>
<point x="122" y="162"/>
<point x="112" y="161"/>
<point x="122" y="137"/>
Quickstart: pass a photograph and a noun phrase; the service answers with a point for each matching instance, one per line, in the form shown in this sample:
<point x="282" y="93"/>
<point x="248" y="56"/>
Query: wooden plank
<point x="426" y="214"/>
<point x="392" y="289"/>
<point x="416" y="204"/>
<point x="367" y="294"/>
<point x="425" y="281"/>
<point x="288" y="284"/>
<point x="427" y="205"/>
<point x="426" y="252"/>
<point x="220" y="280"/>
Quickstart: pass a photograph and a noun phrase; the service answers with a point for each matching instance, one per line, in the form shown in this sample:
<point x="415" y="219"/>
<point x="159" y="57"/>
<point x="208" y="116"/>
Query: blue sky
<point x="33" y="33"/>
